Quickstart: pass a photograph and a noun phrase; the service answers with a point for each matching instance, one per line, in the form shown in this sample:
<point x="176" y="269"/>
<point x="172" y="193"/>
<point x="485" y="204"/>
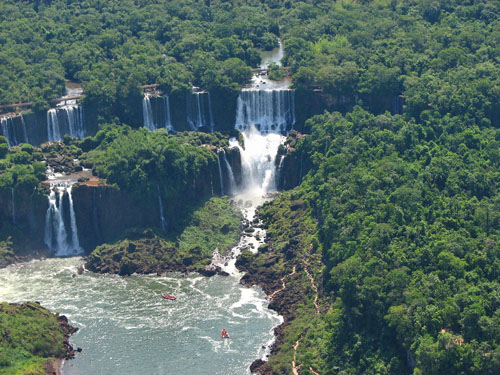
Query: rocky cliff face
<point x="104" y="213"/>
<point x="32" y="127"/>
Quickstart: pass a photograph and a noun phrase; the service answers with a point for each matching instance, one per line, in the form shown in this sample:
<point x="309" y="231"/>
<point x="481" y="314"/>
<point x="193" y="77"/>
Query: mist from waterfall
<point x="258" y="156"/>
<point x="56" y="234"/>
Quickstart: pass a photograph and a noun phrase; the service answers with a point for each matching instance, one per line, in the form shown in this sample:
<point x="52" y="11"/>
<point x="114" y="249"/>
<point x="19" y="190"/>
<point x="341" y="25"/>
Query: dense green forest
<point x="442" y="56"/>
<point x="114" y="47"/>
<point x="396" y="218"/>
<point x="408" y="227"/>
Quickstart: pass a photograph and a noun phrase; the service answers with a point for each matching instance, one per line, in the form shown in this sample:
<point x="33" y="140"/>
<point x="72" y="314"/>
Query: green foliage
<point x="440" y="56"/>
<point x="31" y="335"/>
<point x="214" y="225"/>
<point x="409" y="227"/>
<point x="139" y="161"/>
<point x="114" y="47"/>
<point x="19" y="169"/>
<point x="276" y="72"/>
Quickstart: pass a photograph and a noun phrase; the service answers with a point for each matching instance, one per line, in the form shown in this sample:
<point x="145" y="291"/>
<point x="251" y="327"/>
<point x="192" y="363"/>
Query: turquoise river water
<point x="125" y="327"/>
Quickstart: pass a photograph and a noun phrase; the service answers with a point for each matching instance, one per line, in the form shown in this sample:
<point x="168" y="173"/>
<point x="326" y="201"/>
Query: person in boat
<point x="224" y="334"/>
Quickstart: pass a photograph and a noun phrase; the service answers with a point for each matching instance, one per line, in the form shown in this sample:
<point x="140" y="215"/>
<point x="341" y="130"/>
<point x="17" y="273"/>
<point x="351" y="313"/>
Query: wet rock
<point x="255" y="366"/>
<point x="208" y="272"/>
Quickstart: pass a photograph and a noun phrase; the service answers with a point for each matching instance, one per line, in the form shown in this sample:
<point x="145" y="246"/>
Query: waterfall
<point x="199" y="111"/>
<point x="163" y="222"/>
<point x="9" y="134"/>
<point x="56" y="235"/>
<point x="25" y="131"/>
<point x="74" y="115"/>
<point x="147" y="113"/>
<point x="268" y="110"/>
<point x="220" y="172"/>
<point x="232" y="182"/>
<point x="168" y="119"/>
<point x="13" y="207"/>
<point x="74" y="230"/>
<point x="210" y="114"/>
<point x="258" y="160"/>
<point x="53" y="131"/>
<point x="280" y="168"/>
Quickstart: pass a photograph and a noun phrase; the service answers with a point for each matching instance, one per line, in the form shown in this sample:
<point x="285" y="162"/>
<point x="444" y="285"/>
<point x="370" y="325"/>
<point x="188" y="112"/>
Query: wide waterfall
<point x="76" y="124"/>
<point x="199" y="111"/>
<point x="56" y="235"/>
<point x="270" y="110"/>
<point x="162" y="118"/>
<point x="53" y="130"/>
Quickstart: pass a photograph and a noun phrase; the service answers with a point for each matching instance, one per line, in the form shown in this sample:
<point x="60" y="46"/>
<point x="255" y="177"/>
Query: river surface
<point x="127" y="328"/>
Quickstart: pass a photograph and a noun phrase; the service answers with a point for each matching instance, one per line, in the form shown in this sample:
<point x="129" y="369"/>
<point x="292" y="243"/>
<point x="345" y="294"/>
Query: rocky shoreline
<point x="42" y="335"/>
<point x="279" y="268"/>
<point x="283" y="304"/>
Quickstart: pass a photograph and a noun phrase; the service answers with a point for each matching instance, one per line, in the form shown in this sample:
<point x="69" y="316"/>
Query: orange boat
<point x="168" y="296"/>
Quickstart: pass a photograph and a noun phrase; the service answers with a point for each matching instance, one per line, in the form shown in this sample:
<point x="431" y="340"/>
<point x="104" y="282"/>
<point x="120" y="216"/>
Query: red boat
<point x="167" y="296"/>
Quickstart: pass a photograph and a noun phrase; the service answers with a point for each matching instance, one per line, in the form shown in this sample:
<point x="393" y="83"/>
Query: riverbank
<point x="287" y="268"/>
<point x="34" y="340"/>
<point x="215" y="226"/>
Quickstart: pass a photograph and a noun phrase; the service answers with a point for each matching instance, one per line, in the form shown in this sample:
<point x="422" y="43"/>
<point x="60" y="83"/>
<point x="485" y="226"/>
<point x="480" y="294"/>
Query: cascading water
<point x="56" y="235"/>
<point x="74" y="116"/>
<point x="268" y="110"/>
<point x="232" y="182"/>
<point x="147" y="113"/>
<point x="168" y="119"/>
<point x="149" y="116"/>
<point x="74" y="230"/>
<point x="199" y="111"/>
<point x="258" y="160"/>
<point x="163" y="222"/>
<point x="25" y="131"/>
<point x="9" y="134"/>
<point x="220" y="171"/>
<point x="210" y="113"/>
<point x="53" y="130"/>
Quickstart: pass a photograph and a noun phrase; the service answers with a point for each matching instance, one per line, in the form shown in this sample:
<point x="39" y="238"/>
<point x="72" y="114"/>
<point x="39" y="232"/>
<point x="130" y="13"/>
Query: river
<point x="127" y="328"/>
